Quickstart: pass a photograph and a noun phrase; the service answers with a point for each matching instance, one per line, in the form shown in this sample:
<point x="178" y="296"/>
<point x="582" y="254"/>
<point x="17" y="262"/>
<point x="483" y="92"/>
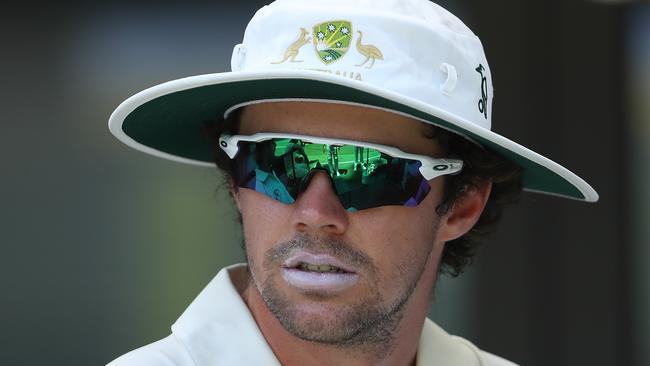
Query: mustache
<point x="330" y="246"/>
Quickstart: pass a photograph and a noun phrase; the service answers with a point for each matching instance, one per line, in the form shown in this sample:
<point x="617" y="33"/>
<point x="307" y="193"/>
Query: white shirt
<point x="218" y="329"/>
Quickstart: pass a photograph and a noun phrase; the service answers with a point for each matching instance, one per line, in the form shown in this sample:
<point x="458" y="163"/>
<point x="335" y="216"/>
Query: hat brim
<point x="166" y="120"/>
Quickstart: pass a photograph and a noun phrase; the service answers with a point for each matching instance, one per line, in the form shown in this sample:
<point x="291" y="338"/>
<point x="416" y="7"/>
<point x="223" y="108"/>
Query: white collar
<point x="218" y="329"/>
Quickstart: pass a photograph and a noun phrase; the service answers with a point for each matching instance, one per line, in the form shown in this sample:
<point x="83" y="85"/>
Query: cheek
<point x="264" y="222"/>
<point x="405" y="228"/>
<point x="392" y="230"/>
<point x="399" y="239"/>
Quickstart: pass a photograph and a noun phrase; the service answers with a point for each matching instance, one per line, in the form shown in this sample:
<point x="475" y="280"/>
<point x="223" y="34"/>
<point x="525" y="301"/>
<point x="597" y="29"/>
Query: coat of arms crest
<point x="332" y="40"/>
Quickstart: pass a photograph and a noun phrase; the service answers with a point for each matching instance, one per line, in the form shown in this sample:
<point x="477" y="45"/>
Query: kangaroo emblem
<point x="292" y="51"/>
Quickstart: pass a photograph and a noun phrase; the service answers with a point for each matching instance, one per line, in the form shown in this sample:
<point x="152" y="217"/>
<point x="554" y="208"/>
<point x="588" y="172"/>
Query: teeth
<point x="319" y="268"/>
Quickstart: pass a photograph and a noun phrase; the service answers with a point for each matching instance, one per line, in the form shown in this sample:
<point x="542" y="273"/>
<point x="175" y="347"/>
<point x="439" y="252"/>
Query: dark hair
<point x="480" y="166"/>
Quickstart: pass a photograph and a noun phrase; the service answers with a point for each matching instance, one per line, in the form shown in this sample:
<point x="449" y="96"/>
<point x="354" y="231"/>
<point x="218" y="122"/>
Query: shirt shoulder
<point x="484" y="358"/>
<point x="165" y="352"/>
<point x="494" y="360"/>
<point x="438" y="347"/>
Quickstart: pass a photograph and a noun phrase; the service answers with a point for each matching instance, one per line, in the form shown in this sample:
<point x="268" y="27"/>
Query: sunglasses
<point x="363" y="175"/>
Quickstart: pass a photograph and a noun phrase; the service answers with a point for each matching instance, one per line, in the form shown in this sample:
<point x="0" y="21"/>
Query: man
<point x="355" y="139"/>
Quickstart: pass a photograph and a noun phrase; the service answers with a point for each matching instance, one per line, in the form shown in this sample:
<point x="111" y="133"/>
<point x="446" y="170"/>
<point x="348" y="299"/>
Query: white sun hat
<point x="410" y="57"/>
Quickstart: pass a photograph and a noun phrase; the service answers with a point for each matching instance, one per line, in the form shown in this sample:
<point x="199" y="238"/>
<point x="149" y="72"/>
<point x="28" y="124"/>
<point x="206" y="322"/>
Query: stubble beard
<point x="369" y="325"/>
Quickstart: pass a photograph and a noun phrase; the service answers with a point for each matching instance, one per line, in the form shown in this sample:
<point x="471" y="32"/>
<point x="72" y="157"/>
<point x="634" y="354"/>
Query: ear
<point x="465" y="213"/>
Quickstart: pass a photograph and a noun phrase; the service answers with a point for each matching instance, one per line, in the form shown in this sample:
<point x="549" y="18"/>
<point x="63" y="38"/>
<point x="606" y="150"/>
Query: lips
<point x="316" y="263"/>
<point x="320" y="269"/>
<point x="318" y="273"/>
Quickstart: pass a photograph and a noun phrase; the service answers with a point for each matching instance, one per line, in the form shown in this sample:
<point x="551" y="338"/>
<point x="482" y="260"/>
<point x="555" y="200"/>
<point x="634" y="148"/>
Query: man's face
<point x="386" y="258"/>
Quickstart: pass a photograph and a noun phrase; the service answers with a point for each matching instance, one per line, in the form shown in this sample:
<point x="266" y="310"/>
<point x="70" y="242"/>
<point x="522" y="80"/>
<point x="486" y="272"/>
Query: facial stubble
<point x="368" y="324"/>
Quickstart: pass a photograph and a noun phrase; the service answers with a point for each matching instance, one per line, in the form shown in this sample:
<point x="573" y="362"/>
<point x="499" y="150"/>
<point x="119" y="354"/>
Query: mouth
<point x="325" y="268"/>
<point x="317" y="262"/>
<point x="318" y="273"/>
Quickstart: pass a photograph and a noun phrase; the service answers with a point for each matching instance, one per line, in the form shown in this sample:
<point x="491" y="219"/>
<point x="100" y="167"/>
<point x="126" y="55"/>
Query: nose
<point x="317" y="209"/>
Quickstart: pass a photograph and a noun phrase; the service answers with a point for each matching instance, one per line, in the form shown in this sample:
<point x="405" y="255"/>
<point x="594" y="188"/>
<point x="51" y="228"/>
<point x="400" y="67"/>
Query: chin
<point x="335" y="321"/>
<point x="321" y="323"/>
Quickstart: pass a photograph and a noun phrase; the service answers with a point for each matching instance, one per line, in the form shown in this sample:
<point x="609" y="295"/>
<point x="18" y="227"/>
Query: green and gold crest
<point x="332" y="39"/>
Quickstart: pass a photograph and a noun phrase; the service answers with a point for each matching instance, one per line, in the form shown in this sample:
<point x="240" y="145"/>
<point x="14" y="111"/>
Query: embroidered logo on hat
<point x="371" y="52"/>
<point x="294" y="48"/>
<point x="483" y="102"/>
<point x="332" y="40"/>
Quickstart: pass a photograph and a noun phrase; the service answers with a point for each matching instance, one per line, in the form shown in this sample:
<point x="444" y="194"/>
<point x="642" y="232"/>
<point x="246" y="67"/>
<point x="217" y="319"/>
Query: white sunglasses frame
<point x="430" y="167"/>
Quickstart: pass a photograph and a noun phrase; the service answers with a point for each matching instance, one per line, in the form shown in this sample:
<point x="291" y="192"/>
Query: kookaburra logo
<point x="483" y="102"/>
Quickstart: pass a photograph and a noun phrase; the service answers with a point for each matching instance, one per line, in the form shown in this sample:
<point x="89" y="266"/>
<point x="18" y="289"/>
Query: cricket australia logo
<point x="332" y="40"/>
<point x="483" y="102"/>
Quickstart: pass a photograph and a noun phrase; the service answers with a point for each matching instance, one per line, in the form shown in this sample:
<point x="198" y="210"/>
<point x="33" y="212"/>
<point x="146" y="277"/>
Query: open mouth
<point x="325" y="268"/>
<point x="317" y="263"/>
<point x="318" y="272"/>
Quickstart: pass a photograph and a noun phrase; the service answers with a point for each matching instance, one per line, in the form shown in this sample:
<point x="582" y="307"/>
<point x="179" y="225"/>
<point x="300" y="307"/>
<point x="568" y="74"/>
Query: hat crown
<point x="413" y="49"/>
<point x="422" y="10"/>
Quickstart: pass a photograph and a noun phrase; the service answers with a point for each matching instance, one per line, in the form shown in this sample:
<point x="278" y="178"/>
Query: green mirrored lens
<point x="341" y="161"/>
<point x="362" y="177"/>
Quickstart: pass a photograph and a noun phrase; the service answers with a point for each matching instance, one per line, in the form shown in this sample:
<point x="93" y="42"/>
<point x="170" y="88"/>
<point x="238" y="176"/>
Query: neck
<point x="291" y="350"/>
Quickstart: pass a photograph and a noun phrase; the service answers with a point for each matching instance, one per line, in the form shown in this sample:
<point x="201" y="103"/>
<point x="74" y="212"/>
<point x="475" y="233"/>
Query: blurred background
<point x="103" y="247"/>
